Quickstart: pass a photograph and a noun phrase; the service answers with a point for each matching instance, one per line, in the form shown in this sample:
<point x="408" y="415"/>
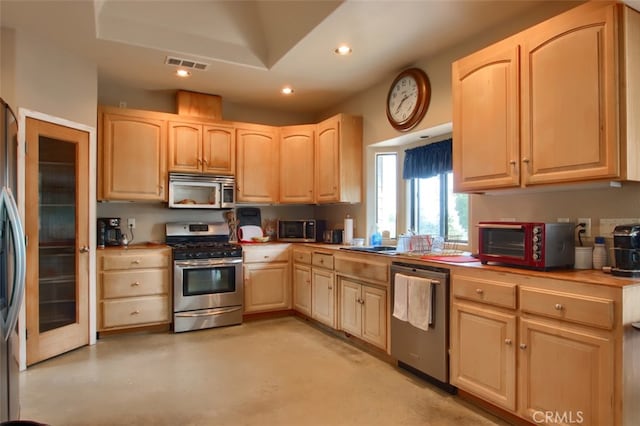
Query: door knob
<point x="84" y="249"/>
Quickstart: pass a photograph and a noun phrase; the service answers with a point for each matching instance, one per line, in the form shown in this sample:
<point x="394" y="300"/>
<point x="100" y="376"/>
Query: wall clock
<point x="408" y="99"/>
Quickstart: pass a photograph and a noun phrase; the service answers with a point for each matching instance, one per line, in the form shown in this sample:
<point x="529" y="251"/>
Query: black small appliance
<point x="109" y="233"/>
<point x="626" y="248"/>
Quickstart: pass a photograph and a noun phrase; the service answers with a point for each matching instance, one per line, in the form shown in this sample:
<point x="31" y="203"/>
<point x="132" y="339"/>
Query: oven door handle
<point x="193" y="264"/>
<point x="208" y="312"/>
<point x="500" y="226"/>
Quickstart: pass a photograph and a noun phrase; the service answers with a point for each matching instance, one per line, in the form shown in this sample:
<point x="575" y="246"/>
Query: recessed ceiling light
<point x="183" y="73"/>
<point x="343" y="50"/>
<point x="287" y="90"/>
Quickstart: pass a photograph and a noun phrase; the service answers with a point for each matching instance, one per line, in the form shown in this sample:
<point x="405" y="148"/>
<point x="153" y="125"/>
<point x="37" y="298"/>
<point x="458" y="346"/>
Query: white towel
<point x="400" y="298"/>
<point x="419" y="302"/>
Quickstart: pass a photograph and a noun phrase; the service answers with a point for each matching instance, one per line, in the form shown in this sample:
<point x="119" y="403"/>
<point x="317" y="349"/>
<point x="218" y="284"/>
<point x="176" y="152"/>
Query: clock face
<point x="403" y="99"/>
<point x="408" y="99"/>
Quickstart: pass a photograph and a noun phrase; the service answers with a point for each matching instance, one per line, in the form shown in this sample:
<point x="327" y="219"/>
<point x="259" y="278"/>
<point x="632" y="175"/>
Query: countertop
<point x="135" y="246"/>
<point x="588" y="276"/>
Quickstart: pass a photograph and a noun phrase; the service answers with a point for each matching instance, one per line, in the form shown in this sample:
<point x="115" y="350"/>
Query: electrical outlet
<point x="563" y="219"/>
<point x="587" y="225"/>
<point x="131" y="222"/>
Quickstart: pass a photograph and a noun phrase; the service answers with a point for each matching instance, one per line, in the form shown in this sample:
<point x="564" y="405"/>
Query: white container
<point x="584" y="258"/>
<point x="599" y="253"/>
<point x="348" y="230"/>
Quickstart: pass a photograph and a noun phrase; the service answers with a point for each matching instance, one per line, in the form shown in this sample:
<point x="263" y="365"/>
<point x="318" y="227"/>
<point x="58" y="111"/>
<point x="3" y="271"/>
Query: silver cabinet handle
<point x="523" y="346"/>
<point x="507" y="341"/>
<point x="558" y="307"/>
<point x="84" y="249"/>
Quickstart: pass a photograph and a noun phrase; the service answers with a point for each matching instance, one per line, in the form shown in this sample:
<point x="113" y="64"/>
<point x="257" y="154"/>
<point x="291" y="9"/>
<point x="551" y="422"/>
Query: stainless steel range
<point x="207" y="276"/>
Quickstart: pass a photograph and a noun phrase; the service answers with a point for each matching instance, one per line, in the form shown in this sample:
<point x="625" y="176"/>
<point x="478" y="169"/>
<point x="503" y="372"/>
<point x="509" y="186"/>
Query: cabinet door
<point x="219" y="150"/>
<point x="296" y="164"/>
<point x="483" y="357"/>
<point x="266" y="287"/>
<point x="374" y="316"/>
<point x="569" y="97"/>
<point x="327" y="177"/>
<point x="257" y="177"/>
<point x="565" y="370"/>
<point x="302" y="289"/>
<point x="133" y="163"/>
<point x="486" y="138"/>
<point x="323" y="296"/>
<point x="185" y="146"/>
<point x="350" y="307"/>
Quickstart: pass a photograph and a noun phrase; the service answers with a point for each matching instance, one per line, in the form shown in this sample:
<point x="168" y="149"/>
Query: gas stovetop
<point x="200" y="240"/>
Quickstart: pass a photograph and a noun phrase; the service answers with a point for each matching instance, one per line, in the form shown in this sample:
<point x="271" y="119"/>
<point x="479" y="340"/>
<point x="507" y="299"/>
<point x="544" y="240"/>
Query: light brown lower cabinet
<point x="133" y="288"/>
<point x="302" y="281"/>
<point x="548" y="355"/>
<point x="267" y="286"/>
<point x="363" y="311"/>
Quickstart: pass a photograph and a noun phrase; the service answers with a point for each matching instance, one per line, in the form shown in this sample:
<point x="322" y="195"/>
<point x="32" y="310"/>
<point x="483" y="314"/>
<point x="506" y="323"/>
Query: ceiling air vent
<point x="186" y="63"/>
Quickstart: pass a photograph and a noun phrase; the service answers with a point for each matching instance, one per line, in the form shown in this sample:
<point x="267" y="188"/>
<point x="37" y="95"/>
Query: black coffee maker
<point x="626" y="248"/>
<point x="109" y="233"/>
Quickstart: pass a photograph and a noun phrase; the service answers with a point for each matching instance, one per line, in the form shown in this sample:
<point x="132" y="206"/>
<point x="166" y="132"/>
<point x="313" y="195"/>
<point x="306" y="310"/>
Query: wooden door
<point x="483" y="354"/>
<point x="133" y="149"/>
<point x="323" y="296"/>
<point x="570" y="97"/>
<point x="185" y="147"/>
<point x="327" y="173"/>
<point x="350" y="307"/>
<point x="486" y="122"/>
<point x="566" y="370"/>
<point x="57" y="229"/>
<point x="219" y="150"/>
<point x="374" y="316"/>
<point x="302" y="289"/>
<point x="296" y="164"/>
<point x="257" y="174"/>
<point x="266" y="287"/>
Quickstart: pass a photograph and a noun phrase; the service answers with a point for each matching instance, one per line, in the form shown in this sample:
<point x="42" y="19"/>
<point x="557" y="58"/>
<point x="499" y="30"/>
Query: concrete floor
<point x="278" y="371"/>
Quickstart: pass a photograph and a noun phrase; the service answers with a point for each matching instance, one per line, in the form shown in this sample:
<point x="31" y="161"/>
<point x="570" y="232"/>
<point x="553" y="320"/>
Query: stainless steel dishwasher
<point x="425" y="352"/>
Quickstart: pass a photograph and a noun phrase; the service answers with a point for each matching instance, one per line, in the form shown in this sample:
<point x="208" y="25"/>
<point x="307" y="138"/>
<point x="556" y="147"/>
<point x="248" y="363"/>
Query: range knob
<point x="536" y="256"/>
<point x="537" y="230"/>
<point x="536" y="238"/>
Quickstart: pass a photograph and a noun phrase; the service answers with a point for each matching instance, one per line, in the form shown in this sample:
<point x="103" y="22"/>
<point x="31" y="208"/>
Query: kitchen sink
<point x="372" y="249"/>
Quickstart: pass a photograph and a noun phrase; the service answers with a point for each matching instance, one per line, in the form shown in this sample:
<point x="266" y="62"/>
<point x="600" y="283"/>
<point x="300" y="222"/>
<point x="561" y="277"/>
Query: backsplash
<point x="152" y="217"/>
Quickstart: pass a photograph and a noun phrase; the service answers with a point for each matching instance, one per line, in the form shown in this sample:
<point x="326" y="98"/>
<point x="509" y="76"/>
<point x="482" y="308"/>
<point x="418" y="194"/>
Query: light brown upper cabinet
<point x="550" y="104"/>
<point x="257" y="167"/>
<point x="132" y="155"/>
<point x="202" y="148"/>
<point x="296" y="164"/>
<point x="338" y="160"/>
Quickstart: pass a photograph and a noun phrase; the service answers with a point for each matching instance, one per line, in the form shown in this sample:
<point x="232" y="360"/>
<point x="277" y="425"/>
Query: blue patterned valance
<point x="428" y="160"/>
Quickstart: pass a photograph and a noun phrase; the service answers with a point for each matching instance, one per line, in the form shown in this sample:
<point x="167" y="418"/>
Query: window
<point x="386" y="192"/>
<point x="436" y="210"/>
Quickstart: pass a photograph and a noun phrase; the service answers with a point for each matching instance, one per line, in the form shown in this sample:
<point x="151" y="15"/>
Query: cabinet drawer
<point x="363" y="269"/>
<point x="266" y="254"/>
<point x="301" y="256"/>
<point x="137" y="283"/>
<point x="323" y="260"/>
<point x="577" y="308"/>
<point x="135" y="311"/>
<point x="484" y="291"/>
<point x="135" y="261"/>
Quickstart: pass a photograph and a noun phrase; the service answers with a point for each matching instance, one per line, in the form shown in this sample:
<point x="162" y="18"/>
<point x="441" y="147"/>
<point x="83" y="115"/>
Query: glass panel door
<point x="56" y="222"/>
<point x="57" y="280"/>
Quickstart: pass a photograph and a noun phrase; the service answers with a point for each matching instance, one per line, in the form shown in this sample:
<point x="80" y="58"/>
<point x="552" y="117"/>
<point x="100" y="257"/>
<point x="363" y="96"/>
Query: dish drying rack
<point x="428" y="245"/>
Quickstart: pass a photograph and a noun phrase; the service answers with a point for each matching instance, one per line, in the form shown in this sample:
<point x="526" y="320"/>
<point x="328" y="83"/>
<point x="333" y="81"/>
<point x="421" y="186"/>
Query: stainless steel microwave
<point x="201" y="192"/>
<point x="302" y="230"/>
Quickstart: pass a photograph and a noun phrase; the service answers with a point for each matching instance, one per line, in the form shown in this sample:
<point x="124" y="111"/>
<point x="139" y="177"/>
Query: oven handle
<point x="500" y="226"/>
<point x="192" y="264"/>
<point x="208" y="312"/>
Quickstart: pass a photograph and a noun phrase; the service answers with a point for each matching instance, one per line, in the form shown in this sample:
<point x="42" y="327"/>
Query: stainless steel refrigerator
<point x="12" y="266"/>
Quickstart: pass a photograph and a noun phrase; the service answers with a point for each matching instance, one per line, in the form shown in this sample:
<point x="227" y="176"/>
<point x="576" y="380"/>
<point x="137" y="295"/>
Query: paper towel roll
<point x="348" y="230"/>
